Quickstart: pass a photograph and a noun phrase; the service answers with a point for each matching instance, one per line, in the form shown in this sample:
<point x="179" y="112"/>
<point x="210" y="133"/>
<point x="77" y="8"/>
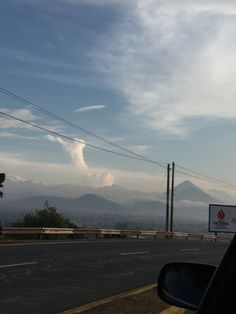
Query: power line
<point x="162" y="181"/>
<point x="76" y="140"/>
<point x="207" y="176"/>
<point x="189" y="175"/>
<point x="201" y="176"/>
<point x="75" y="126"/>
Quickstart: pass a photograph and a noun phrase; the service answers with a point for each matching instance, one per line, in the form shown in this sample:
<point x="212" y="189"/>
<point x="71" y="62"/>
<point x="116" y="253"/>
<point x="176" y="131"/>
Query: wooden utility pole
<point x="172" y="197"/>
<point x="2" y="179"/>
<point x="167" y="197"/>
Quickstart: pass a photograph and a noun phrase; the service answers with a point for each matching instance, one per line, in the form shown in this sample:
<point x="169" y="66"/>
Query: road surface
<point x="55" y="276"/>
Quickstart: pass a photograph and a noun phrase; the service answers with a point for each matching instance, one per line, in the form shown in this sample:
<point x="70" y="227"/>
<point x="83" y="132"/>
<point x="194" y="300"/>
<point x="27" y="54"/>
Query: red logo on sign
<point x="221" y="214"/>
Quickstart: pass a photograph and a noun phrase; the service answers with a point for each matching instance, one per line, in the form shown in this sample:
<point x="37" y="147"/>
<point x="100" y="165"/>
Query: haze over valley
<point x="111" y="206"/>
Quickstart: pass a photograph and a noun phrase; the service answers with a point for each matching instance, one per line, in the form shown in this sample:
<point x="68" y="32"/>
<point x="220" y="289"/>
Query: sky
<point x="157" y="77"/>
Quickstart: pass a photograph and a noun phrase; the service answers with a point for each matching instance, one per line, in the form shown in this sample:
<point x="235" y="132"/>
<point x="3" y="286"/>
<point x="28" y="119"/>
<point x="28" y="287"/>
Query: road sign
<point x="222" y="218"/>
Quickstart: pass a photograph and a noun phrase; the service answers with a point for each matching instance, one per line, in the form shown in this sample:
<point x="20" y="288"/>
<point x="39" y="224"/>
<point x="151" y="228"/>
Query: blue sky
<point x="157" y="77"/>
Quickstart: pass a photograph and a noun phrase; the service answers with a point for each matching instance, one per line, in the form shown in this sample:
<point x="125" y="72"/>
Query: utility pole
<point x="2" y="179"/>
<point x="172" y="197"/>
<point x="167" y="198"/>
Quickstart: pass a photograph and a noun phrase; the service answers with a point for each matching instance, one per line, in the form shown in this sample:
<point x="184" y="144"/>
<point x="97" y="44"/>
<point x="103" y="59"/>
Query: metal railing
<point x="98" y="232"/>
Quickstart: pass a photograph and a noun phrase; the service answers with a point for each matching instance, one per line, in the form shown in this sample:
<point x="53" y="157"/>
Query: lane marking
<point x="91" y="305"/>
<point x="189" y="250"/>
<point x="135" y="253"/>
<point x="15" y="265"/>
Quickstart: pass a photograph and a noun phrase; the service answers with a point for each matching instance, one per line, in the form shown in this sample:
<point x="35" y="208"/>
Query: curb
<point x="86" y="307"/>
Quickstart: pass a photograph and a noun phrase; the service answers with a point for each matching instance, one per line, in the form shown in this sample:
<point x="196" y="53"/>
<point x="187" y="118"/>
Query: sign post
<point x="222" y="218"/>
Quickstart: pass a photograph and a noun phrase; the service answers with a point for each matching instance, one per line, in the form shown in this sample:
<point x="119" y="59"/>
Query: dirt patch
<point x="143" y="303"/>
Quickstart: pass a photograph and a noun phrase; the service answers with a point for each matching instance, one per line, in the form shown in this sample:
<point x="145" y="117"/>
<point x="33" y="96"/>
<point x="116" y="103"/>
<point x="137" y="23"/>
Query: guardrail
<point x="99" y="233"/>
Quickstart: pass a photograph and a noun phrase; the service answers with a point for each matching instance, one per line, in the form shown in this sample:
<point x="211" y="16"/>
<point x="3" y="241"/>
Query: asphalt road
<point x="51" y="277"/>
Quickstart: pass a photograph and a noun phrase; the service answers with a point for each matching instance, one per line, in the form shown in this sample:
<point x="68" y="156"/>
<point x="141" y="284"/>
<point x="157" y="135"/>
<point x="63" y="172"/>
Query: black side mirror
<point x="184" y="284"/>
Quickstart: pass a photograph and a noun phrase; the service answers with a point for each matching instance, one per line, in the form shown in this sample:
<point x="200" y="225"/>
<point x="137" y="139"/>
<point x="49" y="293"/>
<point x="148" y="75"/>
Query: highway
<point x="50" y="277"/>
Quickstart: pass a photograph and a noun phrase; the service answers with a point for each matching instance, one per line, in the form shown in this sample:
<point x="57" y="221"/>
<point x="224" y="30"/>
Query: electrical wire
<point x="201" y="175"/>
<point x="193" y="173"/>
<point x="162" y="181"/>
<point x="75" y="126"/>
<point x="76" y="140"/>
<point x="205" y="176"/>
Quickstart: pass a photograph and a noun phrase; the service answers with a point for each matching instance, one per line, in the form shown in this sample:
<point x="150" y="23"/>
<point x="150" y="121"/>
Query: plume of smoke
<point x="88" y="176"/>
<point x="75" y="150"/>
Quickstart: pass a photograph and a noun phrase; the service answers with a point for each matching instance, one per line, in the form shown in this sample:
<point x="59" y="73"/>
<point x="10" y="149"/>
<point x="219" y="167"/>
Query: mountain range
<point x="118" y="204"/>
<point x="87" y="203"/>
<point x="96" y="202"/>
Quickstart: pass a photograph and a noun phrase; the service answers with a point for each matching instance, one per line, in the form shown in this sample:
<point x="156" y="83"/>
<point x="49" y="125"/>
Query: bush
<point x="47" y="217"/>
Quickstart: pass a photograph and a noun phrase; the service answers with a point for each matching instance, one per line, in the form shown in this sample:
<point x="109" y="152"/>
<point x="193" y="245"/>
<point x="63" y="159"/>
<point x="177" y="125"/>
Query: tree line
<point x="47" y="217"/>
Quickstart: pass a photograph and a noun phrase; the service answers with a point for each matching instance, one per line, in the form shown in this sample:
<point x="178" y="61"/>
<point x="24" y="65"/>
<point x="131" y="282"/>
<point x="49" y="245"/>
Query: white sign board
<point x="222" y="218"/>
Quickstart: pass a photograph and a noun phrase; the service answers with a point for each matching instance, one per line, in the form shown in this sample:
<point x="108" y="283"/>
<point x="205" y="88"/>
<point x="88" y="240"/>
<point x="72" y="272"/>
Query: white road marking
<point x="189" y="250"/>
<point x="21" y="264"/>
<point x="47" y="243"/>
<point x="134" y="253"/>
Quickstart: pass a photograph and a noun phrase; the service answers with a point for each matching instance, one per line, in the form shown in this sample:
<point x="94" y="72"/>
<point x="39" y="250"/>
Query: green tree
<point x="48" y="216"/>
<point x="2" y="179"/>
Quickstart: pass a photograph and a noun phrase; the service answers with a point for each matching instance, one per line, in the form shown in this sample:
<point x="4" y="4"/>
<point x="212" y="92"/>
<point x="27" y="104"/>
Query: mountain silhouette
<point x="188" y="191"/>
<point x="86" y="203"/>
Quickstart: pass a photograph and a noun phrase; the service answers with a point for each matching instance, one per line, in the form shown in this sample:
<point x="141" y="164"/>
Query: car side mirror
<point x="184" y="284"/>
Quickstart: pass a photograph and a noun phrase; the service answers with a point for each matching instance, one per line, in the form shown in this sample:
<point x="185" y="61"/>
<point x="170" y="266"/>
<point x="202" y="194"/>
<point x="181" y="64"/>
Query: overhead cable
<point x="73" y="125"/>
<point x="76" y="140"/>
<point x="200" y="176"/>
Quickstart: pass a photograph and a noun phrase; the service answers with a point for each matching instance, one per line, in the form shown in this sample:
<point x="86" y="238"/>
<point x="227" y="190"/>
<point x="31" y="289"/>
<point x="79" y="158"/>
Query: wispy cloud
<point x="18" y="136"/>
<point x="24" y="114"/>
<point x="23" y="166"/>
<point x="35" y="59"/>
<point x="28" y="116"/>
<point x="174" y="61"/>
<point x="79" y="2"/>
<point x="90" y="107"/>
<point x="62" y="78"/>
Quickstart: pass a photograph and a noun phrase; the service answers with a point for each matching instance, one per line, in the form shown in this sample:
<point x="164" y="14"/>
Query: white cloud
<point x="90" y="107"/>
<point x="219" y="5"/>
<point x="174" y="61"/>
<point x="19" y="165"/>
<point x="28" y="116"/>
<point x="140" y="180"/>
<point x="24" y="114"/>
<point x="140" y="149"/>
<point x="35" y="59"/>
<point x="75" y="150"/>
<point x="88" y="176"/>
<point x="78" y="2"/>
<point x="69" y="79"/>
<point x="17" y="136"/>
<point x="52" y="172"/>
<point x="94" y="2"/>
